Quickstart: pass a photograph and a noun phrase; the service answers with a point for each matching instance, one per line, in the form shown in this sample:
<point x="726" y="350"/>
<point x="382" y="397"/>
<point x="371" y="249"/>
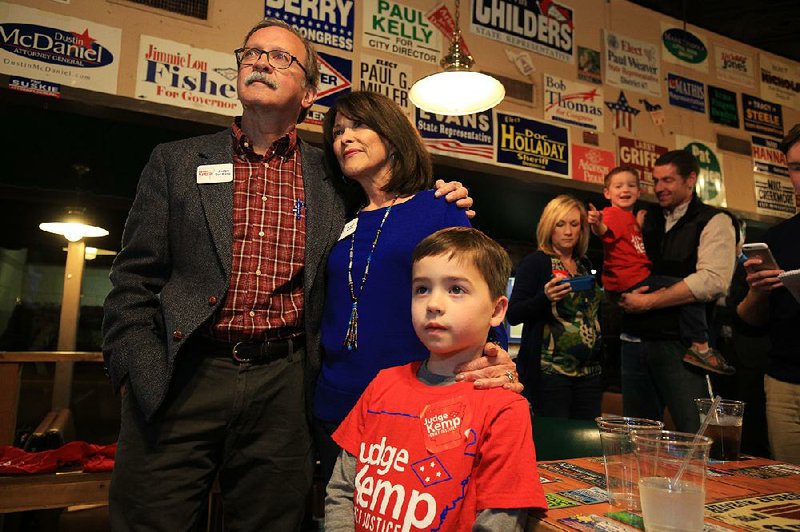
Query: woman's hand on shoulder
<point x="454" y="191"/>
<point x="494" y="369"/>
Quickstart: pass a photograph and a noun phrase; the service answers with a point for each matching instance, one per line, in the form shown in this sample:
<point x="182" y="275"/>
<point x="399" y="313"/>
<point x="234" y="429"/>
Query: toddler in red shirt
<point x="626" y="266"/>
<point x="421" y="451"/>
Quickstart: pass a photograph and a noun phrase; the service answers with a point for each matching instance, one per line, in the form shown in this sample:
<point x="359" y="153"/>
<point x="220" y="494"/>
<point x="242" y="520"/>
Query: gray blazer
<point x="174" y="267"/>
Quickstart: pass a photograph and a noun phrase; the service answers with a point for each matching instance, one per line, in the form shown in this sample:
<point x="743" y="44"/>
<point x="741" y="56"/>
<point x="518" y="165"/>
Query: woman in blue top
<point x="366" y="325"/>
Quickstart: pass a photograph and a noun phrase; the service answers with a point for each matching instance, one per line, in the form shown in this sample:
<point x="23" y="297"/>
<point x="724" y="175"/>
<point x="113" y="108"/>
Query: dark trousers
<point x="570" y="397"/>
<point x="245" y="422"/>
<point x="654" y="376"/>
<point x="693" y="324"/>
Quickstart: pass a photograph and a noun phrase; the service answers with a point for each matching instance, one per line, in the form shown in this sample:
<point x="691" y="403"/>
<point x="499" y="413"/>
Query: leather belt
<point x="255" y="352"/>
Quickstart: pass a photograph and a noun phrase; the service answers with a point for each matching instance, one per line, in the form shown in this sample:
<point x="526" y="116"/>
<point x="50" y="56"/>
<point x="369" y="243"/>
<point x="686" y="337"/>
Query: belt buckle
<point x="235" y="354"/>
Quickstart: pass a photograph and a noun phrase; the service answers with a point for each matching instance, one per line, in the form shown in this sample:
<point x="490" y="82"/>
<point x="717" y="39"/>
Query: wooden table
<point x="19" y="493"/>
<point x="736" y="499"/>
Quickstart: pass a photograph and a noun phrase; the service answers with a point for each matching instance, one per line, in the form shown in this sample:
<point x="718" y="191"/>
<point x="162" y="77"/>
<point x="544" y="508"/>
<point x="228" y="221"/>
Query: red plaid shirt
<point x="265" y="294"/>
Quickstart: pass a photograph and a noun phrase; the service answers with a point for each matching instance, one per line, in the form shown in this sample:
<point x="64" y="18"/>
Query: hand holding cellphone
<point x="580" y="283"/>
<point x="761" y="251"/>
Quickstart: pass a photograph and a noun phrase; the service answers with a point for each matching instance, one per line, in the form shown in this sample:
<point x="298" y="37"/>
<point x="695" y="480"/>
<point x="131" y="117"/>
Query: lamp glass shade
<point x="456" y="93"/>
<point x="73" y="231"/>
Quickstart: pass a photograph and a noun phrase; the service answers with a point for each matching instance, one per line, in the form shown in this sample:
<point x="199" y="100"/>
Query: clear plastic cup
<point x="724" y="427"/>
<point x="668" y="505"/>
<point x="622" y="474"/>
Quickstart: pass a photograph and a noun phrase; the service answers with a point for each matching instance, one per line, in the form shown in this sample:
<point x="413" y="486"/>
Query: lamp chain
<point x="458" y="5"/>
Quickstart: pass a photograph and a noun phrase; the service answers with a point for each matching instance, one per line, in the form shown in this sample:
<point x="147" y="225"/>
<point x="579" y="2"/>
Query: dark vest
<point x="674" y="254"/>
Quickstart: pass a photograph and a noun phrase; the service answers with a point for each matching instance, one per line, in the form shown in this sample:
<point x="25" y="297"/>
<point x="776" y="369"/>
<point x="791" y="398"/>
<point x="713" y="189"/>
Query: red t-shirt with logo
<point x="432" y="457"/>
<point x="625" y="261"/>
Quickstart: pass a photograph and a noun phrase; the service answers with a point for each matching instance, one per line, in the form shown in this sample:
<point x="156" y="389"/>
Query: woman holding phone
<point x="558" y="361"/>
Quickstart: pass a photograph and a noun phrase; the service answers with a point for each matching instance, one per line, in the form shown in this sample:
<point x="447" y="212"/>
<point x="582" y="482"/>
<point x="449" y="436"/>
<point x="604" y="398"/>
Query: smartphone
<point x="761" y="251"/>
<point x="580" y="283"/>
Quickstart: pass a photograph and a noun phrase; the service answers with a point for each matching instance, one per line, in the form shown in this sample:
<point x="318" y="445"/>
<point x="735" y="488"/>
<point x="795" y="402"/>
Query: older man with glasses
<point x="211" y="330"/>
<point x="771" y="305"/>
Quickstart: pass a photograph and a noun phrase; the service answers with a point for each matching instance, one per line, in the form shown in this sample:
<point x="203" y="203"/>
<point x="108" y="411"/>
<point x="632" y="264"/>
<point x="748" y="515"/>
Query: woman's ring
<point x="510" y="376"/>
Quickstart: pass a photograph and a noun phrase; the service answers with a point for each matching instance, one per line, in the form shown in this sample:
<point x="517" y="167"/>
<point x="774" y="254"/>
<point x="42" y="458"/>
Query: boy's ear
<point x="606" y="193"/>
<point x="499" y="314"/>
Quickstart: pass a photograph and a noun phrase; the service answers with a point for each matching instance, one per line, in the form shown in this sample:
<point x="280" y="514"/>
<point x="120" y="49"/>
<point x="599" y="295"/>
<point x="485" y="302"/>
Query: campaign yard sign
<point x="768" y="157"/>
<point x="177" y="74"/>
<point x="632" y="64"/>
<point x="545" y="28"/>
<point x="780" y="81"/>
<point x="398" y="29"/>
<point x="734" y="66"/>
<point x="591" y="164"/>
<point x="465" y="137"/>
<point x="685" y="48"/>
<point x="390" y="78"/>
<point x="573" y="103"/>
<point x="527" y="143"/>
<point x="723" y="107"/>
<point x="774" y="196"/>
<point x="642" y="156"/>
<point x="335" y="79"/>
<point x="686" y="93"/>
<point x="68" y="51"/>
<point x="328" y="22"/>
<point x="761" y="116"/>
<point x="710" y="186"/>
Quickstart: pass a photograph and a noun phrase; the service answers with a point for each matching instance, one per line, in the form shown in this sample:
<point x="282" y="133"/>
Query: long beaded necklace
<point x="351" y="338"/>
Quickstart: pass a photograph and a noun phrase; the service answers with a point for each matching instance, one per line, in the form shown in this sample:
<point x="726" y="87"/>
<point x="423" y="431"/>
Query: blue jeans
<point x="654" y="376"/>
<point x="572" y="397"/>
<point x="693" y="323"/>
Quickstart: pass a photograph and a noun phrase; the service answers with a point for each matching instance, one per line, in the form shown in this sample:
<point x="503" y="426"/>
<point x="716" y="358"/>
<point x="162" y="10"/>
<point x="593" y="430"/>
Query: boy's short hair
<point x="618" y="170"/>
<point x="466" y="243"/>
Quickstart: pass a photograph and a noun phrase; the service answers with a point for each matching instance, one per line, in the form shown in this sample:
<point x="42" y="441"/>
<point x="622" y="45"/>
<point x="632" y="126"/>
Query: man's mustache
<point x="258" y="75"/>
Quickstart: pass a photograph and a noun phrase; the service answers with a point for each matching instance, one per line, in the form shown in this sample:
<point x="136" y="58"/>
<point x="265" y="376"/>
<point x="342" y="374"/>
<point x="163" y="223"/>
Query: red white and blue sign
<point x="73" y="52"/>
<point x="335" y="79"/>
<point x="528" y="143"/>
<point x="542" y="26"/>
<point x="768" y="157"/>
<point x="686" y="93"/>
<point x="54" y="45"/>
<point x="623" y="112"/>
<point x="761" y="116"/>
<point x="468" y="136"/>
<point x="329" y="23"/>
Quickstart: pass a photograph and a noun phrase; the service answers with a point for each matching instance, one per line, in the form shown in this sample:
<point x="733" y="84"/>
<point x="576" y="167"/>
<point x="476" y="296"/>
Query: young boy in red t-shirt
<point x="626" y="266"/>
<point x="421" y="451"/>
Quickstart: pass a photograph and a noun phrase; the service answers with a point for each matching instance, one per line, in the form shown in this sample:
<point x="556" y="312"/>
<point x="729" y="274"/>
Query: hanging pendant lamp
<point x="74" y="227"/>
<point x="457" y="90"/>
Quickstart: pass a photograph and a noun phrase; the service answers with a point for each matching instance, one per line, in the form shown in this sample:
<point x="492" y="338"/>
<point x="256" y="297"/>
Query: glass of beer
<point x="725" y="427"/>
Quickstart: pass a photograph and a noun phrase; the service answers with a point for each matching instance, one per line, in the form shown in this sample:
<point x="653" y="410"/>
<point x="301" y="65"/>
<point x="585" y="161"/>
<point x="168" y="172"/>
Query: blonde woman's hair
<point x="554" y="211"/>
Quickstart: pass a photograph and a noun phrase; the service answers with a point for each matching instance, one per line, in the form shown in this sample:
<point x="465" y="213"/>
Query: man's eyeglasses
<point x="277" y="58"/>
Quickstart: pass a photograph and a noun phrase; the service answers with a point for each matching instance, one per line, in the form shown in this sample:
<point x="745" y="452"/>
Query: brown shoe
<point x="711" y="360"/>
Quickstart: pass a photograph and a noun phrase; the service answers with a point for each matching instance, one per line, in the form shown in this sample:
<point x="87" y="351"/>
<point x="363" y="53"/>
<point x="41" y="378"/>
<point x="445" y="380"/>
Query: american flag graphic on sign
<point x="623" y="112"/>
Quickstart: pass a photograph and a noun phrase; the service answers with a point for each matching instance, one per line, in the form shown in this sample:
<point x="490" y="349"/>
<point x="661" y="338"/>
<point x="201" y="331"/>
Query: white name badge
<point x="215" y="173"/>
<point x="349" y="228"/>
